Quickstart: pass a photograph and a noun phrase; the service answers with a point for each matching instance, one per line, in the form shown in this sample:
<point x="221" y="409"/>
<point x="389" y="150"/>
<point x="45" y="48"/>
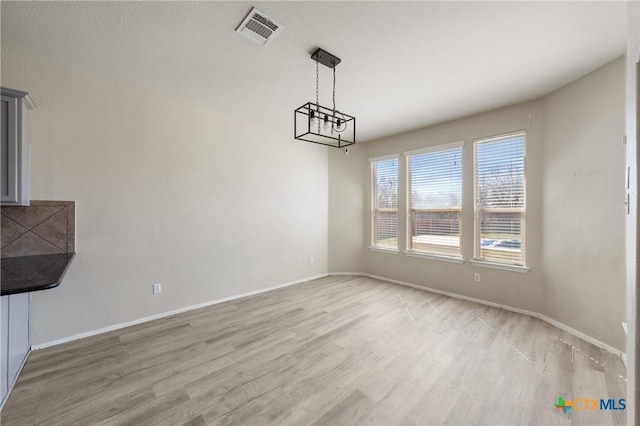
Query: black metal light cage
<point x="303" y="130"/>
<point x="331" y="127"/>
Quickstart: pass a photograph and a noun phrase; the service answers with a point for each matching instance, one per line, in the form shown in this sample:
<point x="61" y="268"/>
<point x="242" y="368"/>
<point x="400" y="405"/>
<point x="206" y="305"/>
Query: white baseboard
<point x="551" y="321"/>
<point x="167" y="314"/>
<point x="545" y="318"/>
<point x="356" y="274"/>
<point x="581" y="335"/>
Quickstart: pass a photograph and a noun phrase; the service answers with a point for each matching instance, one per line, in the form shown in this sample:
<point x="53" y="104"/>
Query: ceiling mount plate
<point x="325" y="58"/>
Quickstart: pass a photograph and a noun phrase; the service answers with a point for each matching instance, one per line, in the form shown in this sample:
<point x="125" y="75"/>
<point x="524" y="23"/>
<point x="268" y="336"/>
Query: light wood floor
<point x="337" y="350"/>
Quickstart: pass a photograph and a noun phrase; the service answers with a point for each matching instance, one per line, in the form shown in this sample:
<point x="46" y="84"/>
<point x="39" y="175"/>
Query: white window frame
<point x="374" y="208"/>
<point x="478" y="260"/>
<point x="409" y="237"/>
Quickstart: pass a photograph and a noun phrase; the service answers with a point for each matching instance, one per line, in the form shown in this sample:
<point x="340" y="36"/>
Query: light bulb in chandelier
<point x="313" y="121"/>
<point x="326" y="125"/>
<point x="339" y="122"/>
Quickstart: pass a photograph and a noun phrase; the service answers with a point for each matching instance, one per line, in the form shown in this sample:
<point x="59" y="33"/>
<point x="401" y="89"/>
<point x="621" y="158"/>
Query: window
<point x="384" y="202"/>
<point x="434" y="177"/>
<point x="500" y="209"/>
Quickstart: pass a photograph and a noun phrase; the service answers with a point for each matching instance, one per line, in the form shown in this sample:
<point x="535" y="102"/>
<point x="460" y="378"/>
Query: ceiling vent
<point x="259" y="27"/>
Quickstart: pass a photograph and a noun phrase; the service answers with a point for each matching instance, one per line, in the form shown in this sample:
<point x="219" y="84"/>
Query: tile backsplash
<point x="44" y="227"/>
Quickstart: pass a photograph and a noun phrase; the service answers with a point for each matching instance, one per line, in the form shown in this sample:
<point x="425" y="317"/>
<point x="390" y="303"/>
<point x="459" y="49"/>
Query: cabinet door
<point x="18" y="333"/>
<point x="9" y="153"/>
<point x="4" y="346"/>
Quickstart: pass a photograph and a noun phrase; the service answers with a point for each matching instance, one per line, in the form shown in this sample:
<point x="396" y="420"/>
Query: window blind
<point x="384" y="203"/>
<point x="500" y="208"/>
<point x="435" y="201"/>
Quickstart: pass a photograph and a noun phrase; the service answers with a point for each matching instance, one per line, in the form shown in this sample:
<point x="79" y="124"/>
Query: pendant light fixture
<point x="319" y="124"/>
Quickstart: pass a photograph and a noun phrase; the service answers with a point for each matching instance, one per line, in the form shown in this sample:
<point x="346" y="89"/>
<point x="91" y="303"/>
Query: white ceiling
<point x="404" y="65"/>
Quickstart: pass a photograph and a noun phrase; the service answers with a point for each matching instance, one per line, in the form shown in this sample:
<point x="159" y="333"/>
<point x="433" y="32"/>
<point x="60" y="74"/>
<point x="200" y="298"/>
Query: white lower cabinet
<point x="4" y="347"/>
<point x="14" y="338"/>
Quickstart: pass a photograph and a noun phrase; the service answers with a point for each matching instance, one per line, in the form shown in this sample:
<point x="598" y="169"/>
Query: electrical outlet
<point x="157" y="288"/>
<point x="476" y="277"/>
<point x="311" y="260"/>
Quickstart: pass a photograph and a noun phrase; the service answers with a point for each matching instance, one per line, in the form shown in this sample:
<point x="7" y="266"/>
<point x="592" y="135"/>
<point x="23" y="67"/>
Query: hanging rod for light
<point x="323" y="125"/>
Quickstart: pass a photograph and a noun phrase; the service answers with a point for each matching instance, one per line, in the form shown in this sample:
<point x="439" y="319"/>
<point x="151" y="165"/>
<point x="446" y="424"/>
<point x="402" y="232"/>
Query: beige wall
<point x="166" y="192"/>
<point x="515" y="289"/>
<point x="632" y="253"/>
<point x="202" y="202"/>
<point x="582" y="136"/>
<point x="347" y="206"/>
<point x="583" y="215"/>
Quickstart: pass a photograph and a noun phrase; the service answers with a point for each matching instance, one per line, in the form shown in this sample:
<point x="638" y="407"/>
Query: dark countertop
<point x="32" y="273"/>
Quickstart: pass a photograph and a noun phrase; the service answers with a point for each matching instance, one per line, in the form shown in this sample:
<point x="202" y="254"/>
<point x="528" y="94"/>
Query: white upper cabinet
<point x="14" y="158"/>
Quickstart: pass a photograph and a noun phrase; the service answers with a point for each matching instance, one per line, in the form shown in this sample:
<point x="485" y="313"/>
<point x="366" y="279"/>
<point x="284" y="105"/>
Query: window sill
<point x="384" y="250"/>
<point x="457" y="260"/>
<point x="491" y="265"/>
